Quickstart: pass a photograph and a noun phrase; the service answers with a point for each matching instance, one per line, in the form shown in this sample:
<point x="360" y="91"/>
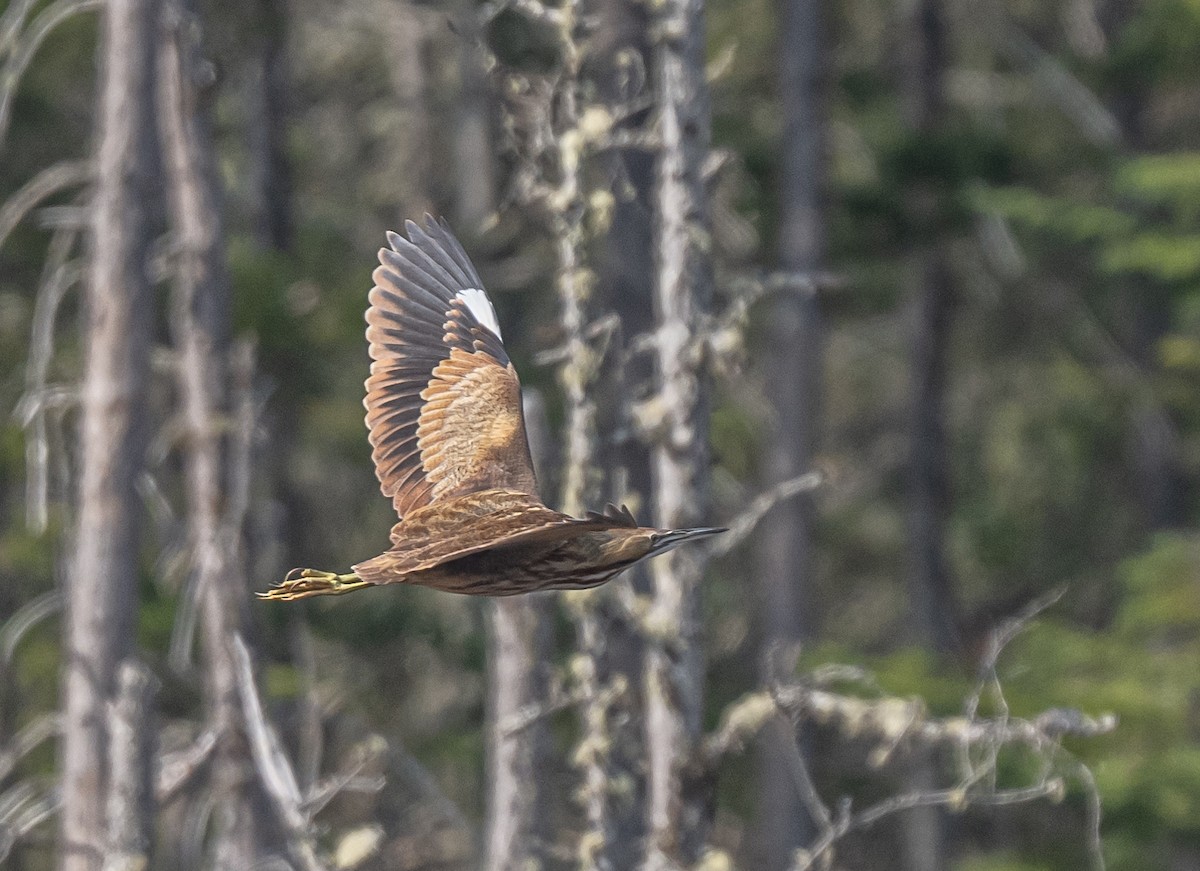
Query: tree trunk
<point x="201" y="320"/>
<point x="625" y="283"/>
<point x="678" y="809"/>
<point x="132" y="746"/>
<point x="475" y="173"/>
<point x="931" y="593"/>
<point x="519" y="655"/>
<point x="119" y="311"/>
<point x="929" y="464"/>
<point x="267" y="122"/>
<point x="794" y="384"/>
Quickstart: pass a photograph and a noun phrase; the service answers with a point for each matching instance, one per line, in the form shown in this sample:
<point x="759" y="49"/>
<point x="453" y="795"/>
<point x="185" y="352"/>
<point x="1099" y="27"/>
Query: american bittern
<point x="444" y="413"/>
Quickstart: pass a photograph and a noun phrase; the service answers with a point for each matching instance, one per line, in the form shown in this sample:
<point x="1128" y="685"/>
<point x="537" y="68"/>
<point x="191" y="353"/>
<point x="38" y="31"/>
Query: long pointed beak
<point x="672" y="538"/>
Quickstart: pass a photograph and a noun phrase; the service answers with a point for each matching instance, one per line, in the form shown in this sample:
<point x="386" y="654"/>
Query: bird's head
<point x="624" y="547"/>
<point x="663" y="540"/>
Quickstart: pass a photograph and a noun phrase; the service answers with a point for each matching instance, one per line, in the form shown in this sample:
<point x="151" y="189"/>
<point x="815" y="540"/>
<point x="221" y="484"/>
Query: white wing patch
<point x="481" y="307"/>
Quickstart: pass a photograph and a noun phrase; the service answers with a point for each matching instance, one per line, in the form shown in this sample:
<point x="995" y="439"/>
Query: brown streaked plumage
<point x="448" y="437"/>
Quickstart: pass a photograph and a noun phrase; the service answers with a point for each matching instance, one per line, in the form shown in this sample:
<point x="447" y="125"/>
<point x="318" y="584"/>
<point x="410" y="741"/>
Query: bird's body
<point x="444" y="415"/>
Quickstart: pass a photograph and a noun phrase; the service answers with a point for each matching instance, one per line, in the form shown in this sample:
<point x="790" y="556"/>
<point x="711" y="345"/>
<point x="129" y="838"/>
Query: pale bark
<point x="201" y="319"/>
<point x="674" y="670"/>
<point x="519" y="655"/>
<point x="475" y="183"/>
<point x="132" y="747"/>
<point x="118" y="314"/>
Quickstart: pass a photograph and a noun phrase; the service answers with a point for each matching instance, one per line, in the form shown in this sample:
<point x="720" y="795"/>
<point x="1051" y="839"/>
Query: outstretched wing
<point x="443" y="400"/>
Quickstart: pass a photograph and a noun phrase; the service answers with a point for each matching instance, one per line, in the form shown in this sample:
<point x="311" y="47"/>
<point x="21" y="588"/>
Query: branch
<point x="746" y="522"/>
<point x="46" y="183"/>
<point x="59" y="275"/>
<point x="176" y="770"/>
<point x="272" y="766"/>
<point x="27" y="45"/>
<point x="27" y="740"/>
<point x="21" y="810"/>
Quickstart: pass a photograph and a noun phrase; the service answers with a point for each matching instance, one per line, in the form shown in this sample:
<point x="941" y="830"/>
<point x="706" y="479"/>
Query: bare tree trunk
<point x="269" y="106"/>
<point x="931" y="591"/>
<point x="132" y="746"/>
<point x="674" y="673"/>
<point x="519" y="648"/>
<point x="625" y="278"/>
<point x="794" y="384"/>
<point x="201" y="318"/>
<point x="473" y="150"/>
<point x="404" y="25"/>
<point x="119" y="305"/>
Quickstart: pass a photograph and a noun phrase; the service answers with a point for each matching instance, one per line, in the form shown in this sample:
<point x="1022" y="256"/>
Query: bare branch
<point x="271" y="763"/>
<point x="46" y="183"/>
<point x="27" y="616"/>
<point x="27" y="740"/>
<point x="22" y="809"/>
<point x="176" y="770"/>
<point x="11" y="22"/>
<point x="891" y="723"/>
<point x="58" y="276"/>
<point x="27" y="45"/>
<point x="743" y="525"/>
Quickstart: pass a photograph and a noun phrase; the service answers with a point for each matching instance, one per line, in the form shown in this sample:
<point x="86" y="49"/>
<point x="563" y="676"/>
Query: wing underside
<point x="443" y="399"/>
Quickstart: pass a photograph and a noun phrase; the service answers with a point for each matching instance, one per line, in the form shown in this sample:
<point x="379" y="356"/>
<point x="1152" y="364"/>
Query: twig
<point x="744" y="524"/>
<point x="27" y="740"/>
<point x="176" y="770"/>
<point x="22" y="810"/>
<point x="28" y="615"/>
<point x="11" y="21"/>
<point x="271" y="764"/>
<point x="27" y="45"/>
<point x="58" y="276"/>
<point x="322" y="792"/>
<point x="46" y="183"/>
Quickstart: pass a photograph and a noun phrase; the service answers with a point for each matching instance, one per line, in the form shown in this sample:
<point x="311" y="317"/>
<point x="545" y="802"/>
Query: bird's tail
<point x="303" y="583"/>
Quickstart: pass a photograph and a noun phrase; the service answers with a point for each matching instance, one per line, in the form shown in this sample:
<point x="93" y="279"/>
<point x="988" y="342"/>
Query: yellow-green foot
<point x="303" y="583"/>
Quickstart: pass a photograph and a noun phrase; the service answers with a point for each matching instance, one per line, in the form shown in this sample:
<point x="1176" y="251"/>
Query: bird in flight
<point x="448" y="436"/>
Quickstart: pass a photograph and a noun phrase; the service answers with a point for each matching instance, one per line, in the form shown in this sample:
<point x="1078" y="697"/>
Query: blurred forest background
<point x="945" y="254"/>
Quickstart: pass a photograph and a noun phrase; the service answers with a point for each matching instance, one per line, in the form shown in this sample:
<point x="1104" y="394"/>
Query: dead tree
<point x="201" y="319"/>
<point x="674" y="668"/>
<point x="931" y="593"/>
<point x="119" y="305"/>
<point x="133" y="732"/>
<point x="267" y="125"/>
<point x="794" y="370"/>
<point x="519" y="652"/>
